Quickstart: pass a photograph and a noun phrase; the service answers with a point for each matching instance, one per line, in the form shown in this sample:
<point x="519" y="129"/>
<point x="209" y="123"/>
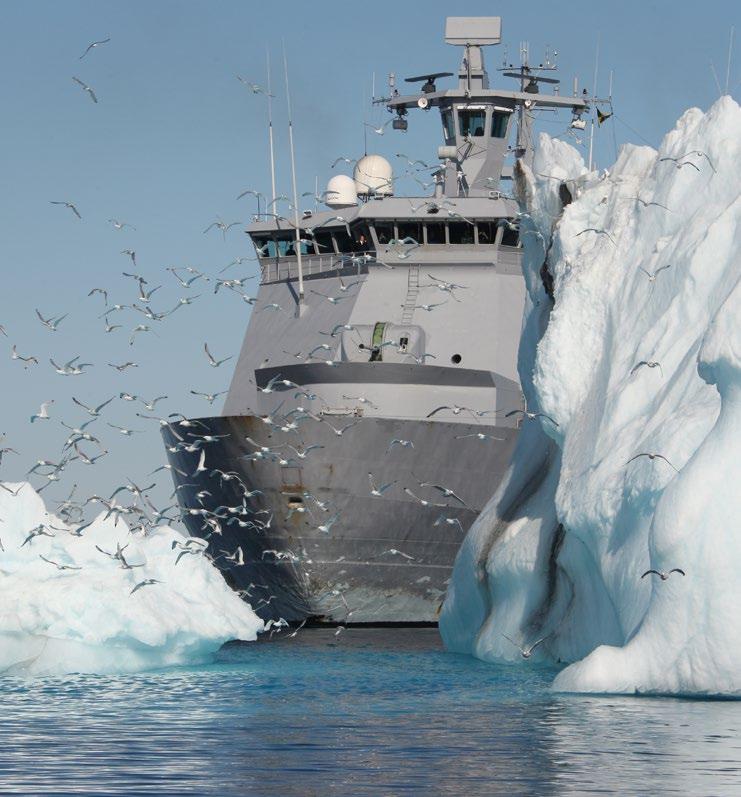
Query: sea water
<point x="363" y="712"/>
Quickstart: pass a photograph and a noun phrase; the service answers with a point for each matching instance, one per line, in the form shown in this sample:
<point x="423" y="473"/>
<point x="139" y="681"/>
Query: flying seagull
<point x="649" y="364"/>
<point x="86" y="88"/>
<point x="599" y="232"/>
<point x="652" y="457"/>
<point x="527" y="651"/>
<point x="93" y="45"/>
<point x="652" y="277"/>
<point x="531" y="415"/>
<point x="67" y="205"/>
<point x="662" y="575"/>
<point x="147" y="582"/>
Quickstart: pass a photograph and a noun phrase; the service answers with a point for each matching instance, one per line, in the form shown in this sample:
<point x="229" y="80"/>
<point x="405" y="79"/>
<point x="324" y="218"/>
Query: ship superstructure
<point x="368" y="419"/>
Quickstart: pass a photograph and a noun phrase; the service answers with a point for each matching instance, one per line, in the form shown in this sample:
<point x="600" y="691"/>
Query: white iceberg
<point x="639" y="353"/>
<point x="76" y="612"/>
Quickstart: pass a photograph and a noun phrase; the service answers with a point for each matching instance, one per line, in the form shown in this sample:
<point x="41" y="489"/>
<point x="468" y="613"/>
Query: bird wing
<point x="648" y="572"/>
<point x="436" y="410"/>
<point x="678" y="570"/>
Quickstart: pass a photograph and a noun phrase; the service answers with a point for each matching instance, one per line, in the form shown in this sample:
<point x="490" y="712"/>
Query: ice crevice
<point x="637" y="351"/>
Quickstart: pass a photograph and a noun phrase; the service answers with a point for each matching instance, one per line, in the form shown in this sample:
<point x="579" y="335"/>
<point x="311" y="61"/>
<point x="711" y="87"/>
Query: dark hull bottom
<point x="383" y="559"/>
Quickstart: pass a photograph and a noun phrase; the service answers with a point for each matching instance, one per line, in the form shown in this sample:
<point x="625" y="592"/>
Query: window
<point x="286" y="243"/>
<point x="436" y="232"/>
<point x="265" y="246"/>
<point x="344" y="242"/>
<point x="487" y="232"/>
<point x="499" y="121"/>
<point x="361" y="238"/>
<point x="323" y="241"/>
<point x="471" y="123"/>
<point x="460" y="232"/>
<point x="448" y="128"/>
<point x="403" y="344"/>
<point x="384" y="231"/>
<point x="456" y="359"/>
<point x="510" y="237"/>
<point x="410" y="229"/>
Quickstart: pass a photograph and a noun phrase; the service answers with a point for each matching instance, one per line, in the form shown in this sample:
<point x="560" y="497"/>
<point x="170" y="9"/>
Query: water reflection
<point x="363" y="713"/>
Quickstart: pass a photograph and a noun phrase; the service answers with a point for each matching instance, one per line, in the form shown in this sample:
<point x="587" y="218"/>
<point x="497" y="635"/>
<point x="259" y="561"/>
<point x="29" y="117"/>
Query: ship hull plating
<point x="316" y="543"/>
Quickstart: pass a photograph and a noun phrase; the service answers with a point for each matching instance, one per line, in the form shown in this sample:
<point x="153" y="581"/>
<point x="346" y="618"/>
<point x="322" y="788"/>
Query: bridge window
<point x="510" y="237"/>
<point x="264" y="245"/>
<point x="448" y="127"/>
<point x="460" y="232"/>
<point x="361" y="238"/>
<point x="471" y="123"/>
<point x="384" y="231"/>
<point x="286" y="243"/>
<point x="499" y="121"/>
<point x="436" y="232"/>
<point x="487" y="232"/>
<point x="345" y="243"/>
<point x="410" y="229"/>
<point x="323" y="241"/>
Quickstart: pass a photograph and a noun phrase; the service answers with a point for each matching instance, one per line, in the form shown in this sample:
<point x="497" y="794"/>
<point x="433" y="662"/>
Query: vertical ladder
<point x="407" y="313"/>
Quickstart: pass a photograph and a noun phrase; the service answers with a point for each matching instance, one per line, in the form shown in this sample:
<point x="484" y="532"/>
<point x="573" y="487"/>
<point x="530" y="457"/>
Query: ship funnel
<point x="373" y="176"/>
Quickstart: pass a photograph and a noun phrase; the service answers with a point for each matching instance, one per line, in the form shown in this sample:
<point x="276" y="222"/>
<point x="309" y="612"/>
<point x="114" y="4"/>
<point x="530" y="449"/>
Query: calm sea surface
<point x="368" y="712"/>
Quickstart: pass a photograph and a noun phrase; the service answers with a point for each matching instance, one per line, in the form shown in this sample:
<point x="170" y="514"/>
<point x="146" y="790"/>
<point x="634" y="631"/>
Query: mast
<point x="270" y="131"/>
<point x="293" y="181"/>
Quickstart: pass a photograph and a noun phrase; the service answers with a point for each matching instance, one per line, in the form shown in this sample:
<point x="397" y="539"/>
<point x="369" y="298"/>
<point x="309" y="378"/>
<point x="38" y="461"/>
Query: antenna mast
<point x="293" y="180"/>
<point x="270" y="130"/>
<point x="594" y="94"/>
<point x="730" y="54"/>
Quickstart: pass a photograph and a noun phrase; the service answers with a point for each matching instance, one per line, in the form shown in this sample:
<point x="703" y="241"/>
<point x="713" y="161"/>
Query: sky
<point x="175" y="137"/>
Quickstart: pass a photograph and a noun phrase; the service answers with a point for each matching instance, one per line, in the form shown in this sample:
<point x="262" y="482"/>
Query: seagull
<point x="652" y="277"/>
<point x="121" y="368"/>
<point x="15" y="356"/>
<point x="480" y="435"/>
<point x="662" y="575"/>
<point x="530" y="415"/>
<point x="201" y="467"/>
<point x="67" y="205"/>
<point x="86" y="88"/>
<point x="37" y="531"/>
<point x="678" y="162"/>
<point x="237" y="557"/>
<point x="93" y="45"/>
<point x="376" y="491"/>
<point x="303" y="454"/>
<point x="330" y="299"/>
<point x="380" y="130"/>
<point x="43" y="413"/>
<point x="51" y="323"/>
<point x="446" y="491"/>
<point x="599" y="232"/>
<point x="397" y="552"/>
<point x="339" y="432"/>
<point x="59" y="566"/>
<point x="132" y="254"/>
<point x="70" y="368"/>
<point x="223" y="226"/>
<point x="124" y="431"/>
<point x="254" y="87"/>
<point x="697" y="153"/>
<point x="211" y="361"/>
<point x="526" y="651"/>
<point x="146" y="583"/>
<point x="649" y="363"/>
<point x="421" y="359"/>
<point x="119" y="225"/>
<point x="362" y="400"/>
<point x="450" y="521"/>
<point x="399" y="442"/>
<point x="343" y="160"/>
<point x="422" y="501"/>
<point x="94" y="411"/>
<point x="210" y="397"/>
<point x="428" y="307"/>
<point x="102" y="292"/>
<point x="327" y="525"/>
<point x="648" y="204"/>
<point x="652" y="457"/>
<point x="455" y="409"/>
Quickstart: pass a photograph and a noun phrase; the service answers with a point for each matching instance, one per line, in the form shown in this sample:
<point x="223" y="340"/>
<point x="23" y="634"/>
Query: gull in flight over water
<point x="526" y="651"/>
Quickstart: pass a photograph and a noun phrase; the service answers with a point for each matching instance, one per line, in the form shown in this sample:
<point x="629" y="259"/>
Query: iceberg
<point x="66" y="607"/>
<point x="630" y="362"/>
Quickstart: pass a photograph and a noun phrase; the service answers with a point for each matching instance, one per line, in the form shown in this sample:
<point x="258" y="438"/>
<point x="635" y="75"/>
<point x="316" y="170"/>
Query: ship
<point x="375" y="402"/>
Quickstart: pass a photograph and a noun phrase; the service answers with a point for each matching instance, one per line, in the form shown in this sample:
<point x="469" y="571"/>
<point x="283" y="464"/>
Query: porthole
<point x="456" y="358"/>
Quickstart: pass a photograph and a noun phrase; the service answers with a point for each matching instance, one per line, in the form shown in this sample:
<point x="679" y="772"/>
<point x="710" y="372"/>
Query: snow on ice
<point x="645" y="265"/>
<point x="76" y="612"/>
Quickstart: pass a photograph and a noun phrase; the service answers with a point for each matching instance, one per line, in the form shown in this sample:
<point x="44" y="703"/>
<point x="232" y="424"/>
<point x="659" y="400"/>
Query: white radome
<point x="373" y="175"/>
<point x="341" y="192"/>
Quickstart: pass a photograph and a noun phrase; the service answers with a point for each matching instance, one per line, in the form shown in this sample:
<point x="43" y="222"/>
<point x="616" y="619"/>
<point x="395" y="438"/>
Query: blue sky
<point x="175" y="137"/>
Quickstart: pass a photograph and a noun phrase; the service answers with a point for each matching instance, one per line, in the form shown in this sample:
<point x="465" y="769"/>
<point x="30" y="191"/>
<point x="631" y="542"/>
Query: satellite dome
<point x="340" y="192"/>
<point x="373" y="176"/>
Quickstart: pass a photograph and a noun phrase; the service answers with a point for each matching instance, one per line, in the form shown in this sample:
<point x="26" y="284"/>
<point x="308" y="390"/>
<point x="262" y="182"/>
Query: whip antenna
<point x="270" y="129"/>
<point x="293" y="180"/>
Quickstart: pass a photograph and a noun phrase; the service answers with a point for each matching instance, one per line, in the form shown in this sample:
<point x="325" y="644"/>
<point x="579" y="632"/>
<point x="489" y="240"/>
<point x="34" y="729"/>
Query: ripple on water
<point x="368" y="712"/>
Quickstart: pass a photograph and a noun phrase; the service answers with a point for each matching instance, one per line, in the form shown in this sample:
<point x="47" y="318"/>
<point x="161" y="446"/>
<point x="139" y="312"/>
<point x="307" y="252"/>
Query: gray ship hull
<point x="384" y="559"/>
